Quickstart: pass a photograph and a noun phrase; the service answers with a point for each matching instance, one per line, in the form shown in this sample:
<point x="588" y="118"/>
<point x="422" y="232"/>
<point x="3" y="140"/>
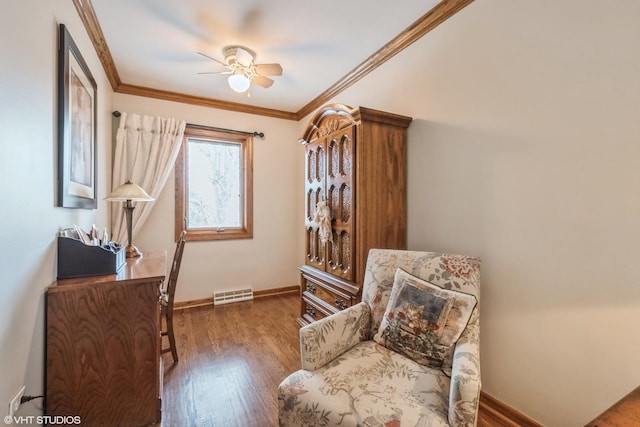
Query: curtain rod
<point x="258" y="134"/>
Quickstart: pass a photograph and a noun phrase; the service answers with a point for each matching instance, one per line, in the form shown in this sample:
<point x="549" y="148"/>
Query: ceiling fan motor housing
<point x="238" y="54"/>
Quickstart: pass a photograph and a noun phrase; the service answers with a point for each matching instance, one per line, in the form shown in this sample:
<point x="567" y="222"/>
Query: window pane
<point x="214" y="183"/>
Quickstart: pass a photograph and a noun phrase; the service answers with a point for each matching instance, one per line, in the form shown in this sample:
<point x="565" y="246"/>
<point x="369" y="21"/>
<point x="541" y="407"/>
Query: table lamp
<point x="129" y="192"/>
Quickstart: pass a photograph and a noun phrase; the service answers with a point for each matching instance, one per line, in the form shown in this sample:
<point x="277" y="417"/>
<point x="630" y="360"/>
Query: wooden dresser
<point x="355" y="161"/>
<point x="103" y="345"/>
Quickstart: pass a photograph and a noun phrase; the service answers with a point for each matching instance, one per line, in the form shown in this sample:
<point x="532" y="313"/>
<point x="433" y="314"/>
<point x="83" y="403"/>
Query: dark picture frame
<point x="77" y="130"/>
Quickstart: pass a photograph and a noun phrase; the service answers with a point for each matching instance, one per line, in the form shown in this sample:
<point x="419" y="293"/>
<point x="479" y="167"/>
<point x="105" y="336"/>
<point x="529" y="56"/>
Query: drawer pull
<point x="311" y="288"/>
<point x="311" y="311"/>
<point x="341" y="304"/>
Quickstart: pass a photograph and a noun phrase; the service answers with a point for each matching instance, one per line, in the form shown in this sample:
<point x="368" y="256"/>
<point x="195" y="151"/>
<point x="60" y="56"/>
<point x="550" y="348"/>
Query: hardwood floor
<point x="231" y="359"/>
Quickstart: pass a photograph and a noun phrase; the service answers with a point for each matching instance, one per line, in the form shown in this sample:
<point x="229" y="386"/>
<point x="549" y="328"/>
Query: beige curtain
<point x="146" y="151"/>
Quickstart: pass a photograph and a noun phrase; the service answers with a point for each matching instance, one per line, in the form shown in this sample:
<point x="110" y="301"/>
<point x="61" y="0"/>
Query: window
<point x="214" y="185"/>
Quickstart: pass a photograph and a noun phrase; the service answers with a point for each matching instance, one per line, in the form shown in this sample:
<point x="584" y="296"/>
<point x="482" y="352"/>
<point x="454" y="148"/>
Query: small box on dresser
<point x="76" y="259"/>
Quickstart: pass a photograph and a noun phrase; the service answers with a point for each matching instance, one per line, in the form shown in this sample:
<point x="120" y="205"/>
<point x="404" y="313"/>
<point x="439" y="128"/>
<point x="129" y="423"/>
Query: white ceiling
<point x="154" y="43"/>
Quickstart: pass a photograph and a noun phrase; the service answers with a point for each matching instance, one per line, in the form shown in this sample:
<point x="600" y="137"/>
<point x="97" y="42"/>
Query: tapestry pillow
<point x="423" y="321"/>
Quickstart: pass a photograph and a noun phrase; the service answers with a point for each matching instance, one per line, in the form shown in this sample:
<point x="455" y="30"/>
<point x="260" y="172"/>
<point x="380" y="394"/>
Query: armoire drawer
<point x="324" y="294"/>
<point x="327" y="293"/>
<point x="314" y="308"/>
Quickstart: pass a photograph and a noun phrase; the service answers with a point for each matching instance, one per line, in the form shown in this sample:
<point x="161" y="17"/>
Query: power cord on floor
<point x="25" y="399"/>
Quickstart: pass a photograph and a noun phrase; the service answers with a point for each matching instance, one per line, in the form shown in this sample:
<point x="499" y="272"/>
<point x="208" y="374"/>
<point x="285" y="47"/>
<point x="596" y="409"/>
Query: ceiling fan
<point x="242" y="69"/>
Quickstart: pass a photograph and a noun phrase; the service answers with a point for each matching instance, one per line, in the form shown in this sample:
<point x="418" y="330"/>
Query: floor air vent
<point x="226" y="297"/>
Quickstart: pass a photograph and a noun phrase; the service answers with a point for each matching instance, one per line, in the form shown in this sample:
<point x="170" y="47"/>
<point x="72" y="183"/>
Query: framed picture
<point x="77" y="102"/>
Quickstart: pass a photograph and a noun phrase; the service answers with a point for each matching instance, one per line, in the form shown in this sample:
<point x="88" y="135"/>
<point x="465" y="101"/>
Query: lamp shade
<point x="129" y="191"/>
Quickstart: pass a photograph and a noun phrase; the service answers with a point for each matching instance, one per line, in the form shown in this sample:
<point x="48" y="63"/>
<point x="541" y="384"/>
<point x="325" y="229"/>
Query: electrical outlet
<point x="15" y="402"/>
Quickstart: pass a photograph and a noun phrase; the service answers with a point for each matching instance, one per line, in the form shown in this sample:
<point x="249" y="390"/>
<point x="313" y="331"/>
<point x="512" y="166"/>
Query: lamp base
<point x="132" y="252"/>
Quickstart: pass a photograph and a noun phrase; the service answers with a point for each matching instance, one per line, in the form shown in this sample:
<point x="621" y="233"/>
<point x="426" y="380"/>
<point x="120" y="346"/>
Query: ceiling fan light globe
<point x="239" y="83"/>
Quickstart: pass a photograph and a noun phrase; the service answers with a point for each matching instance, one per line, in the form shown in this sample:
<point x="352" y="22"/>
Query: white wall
<point x="525" y="150"/>
<point x="269" y="260"/>
<point x="28" y="46"/>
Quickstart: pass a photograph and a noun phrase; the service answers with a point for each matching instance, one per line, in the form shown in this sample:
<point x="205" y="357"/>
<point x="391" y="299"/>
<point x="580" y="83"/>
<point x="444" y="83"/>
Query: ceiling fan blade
<point x="211" y="58"/>
<point x="215" y="72"/>
<point x="269" y="69"/>
<point x="243" y="57"/>
<point x="263" y="81"/>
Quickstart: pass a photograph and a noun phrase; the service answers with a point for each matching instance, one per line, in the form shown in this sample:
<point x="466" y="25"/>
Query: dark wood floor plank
<point x="232" y="358"/>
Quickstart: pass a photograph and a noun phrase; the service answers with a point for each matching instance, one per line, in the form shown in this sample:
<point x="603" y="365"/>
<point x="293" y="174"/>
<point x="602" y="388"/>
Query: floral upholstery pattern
<point x="349" y="380"/>
<point x="324" y="340"/>
<point x="351" y="391"/>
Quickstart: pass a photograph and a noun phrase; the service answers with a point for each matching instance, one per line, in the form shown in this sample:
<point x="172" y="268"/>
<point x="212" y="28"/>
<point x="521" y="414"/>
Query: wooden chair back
<point x="175" y="270"/>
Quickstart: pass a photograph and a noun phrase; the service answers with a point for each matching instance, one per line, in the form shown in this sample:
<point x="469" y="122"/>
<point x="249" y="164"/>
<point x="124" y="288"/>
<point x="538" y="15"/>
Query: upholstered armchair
<point x="406" y="355"/>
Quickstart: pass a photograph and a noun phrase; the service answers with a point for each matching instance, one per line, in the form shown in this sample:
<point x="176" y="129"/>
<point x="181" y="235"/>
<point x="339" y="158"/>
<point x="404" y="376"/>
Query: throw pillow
<point x="423" y="321"/>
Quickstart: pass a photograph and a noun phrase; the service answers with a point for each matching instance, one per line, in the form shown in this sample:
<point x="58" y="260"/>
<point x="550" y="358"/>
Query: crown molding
<point x="427" y="22"/>
<point x="91" y="24"/>
<point x="440" y="13"/>
<point x="202" y="101"/>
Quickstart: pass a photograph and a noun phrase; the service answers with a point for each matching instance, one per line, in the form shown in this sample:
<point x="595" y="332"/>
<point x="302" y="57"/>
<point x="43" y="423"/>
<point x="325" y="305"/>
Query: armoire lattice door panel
<point x="315" y="172"/>
<point x="339" y="198"/>
<point x="329" y="173"/>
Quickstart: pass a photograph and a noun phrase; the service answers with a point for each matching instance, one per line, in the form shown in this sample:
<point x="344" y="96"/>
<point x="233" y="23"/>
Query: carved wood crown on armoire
<point x="355" y="200"/>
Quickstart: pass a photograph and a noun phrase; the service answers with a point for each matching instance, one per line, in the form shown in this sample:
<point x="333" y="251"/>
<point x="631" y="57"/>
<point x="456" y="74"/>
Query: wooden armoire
<point x="355" y="162"/>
